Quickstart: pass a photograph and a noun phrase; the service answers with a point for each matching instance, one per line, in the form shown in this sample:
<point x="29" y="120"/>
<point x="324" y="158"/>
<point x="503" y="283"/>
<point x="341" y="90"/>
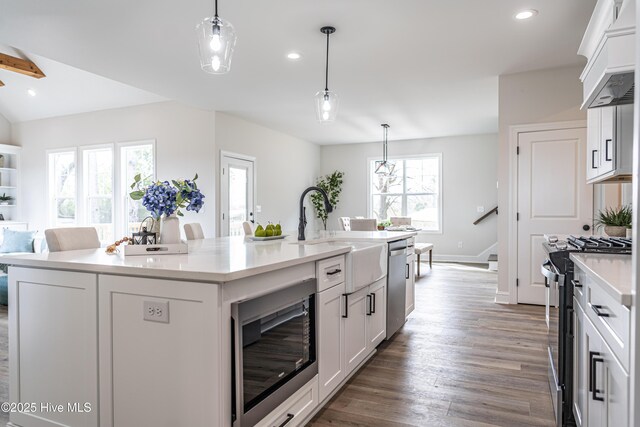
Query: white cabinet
<point x="377" y="321"/>
<point x="411" y="285"/>
<point x="609" y="142"/>
<point x="331" y="369"/>
<point x="356" y="340"/>
<point x="159" y="367"/>
<point x="294" y="410"/>
<point x="580" y="368"/>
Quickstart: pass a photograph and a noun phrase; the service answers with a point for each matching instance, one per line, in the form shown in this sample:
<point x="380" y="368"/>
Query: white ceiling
<point x="426" y="67"/>
<point x="65" y="90"/>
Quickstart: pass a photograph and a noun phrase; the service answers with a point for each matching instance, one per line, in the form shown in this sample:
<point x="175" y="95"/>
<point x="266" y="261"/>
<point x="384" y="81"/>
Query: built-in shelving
<point x="10" y="181"/>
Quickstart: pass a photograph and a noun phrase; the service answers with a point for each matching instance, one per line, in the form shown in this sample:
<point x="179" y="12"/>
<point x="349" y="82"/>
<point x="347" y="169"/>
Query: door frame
<point x="514" y="132"/>
<point x="238" y="156"/>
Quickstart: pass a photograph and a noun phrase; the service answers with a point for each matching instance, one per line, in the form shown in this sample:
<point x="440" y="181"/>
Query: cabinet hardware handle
<point x="597" y="309"/>
<point x="593" y="387"/>
<point x="571" y="320"/>
<point x="336" y="271"/>
<point x="407" y="272"/>
<point x="373" y="299"/>
<point x="289" y="418"/>
<point x="593" y="159"/>
<point x="369" y="308"/>
<point x="346" y="306"/>
<point x="576" y="283"/>
<point x="606" y="150"/>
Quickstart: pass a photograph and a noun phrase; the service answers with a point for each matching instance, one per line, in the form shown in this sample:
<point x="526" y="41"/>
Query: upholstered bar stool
<point x="71" y="239"/>
<point x="193" y="231"/>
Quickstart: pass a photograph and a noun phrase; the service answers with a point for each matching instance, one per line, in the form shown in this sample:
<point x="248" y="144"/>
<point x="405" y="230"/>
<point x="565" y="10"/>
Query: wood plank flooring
<point x="461" y="360"/>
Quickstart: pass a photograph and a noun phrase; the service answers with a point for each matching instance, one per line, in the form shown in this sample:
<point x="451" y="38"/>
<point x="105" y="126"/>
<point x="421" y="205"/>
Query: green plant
<point x="615" y="217"/>
<point x="5" y="198"/>
<point x="385" y="224"/>
<point x="332" y="185"/>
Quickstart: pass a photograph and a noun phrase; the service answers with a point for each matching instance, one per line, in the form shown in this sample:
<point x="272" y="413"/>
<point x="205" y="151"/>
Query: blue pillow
<point x="17" y="241"/>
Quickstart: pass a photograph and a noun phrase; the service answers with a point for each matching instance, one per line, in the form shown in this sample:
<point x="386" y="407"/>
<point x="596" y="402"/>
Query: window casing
<point x="63" y="186"/>
<point x="413" y="189"/>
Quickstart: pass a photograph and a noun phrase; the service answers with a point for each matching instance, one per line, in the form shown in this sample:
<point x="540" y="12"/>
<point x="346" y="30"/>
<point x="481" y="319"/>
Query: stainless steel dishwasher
<point x="396" y="286"/>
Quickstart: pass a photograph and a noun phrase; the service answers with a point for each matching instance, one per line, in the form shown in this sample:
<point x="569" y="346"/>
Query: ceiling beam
<point x="1" y="84"/>
<point x="22" y="66"/>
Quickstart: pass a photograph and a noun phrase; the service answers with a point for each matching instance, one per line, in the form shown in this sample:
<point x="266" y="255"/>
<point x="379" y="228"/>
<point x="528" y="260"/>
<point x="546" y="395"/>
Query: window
<point x="97" y="167"/>
<point x="136" y="158"/>
<point x="411" y="189"/>
<point x="62" y="187"/>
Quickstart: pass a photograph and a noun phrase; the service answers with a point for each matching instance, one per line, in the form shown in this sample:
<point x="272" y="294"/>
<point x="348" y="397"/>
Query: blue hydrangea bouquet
<point x="163" y="198"/>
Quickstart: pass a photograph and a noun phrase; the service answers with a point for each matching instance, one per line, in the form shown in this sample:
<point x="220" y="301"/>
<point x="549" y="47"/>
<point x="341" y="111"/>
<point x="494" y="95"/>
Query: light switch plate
<point x="154" y="311"/>
<point x="480" y="209"/>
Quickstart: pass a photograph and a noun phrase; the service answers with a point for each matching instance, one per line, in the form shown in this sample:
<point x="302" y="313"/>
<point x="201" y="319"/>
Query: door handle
<point x="289" y="418"/>
<point x="593" y="159"/>
<point x="346" y="306"/>
<point x="593" y="380"/>
<point x="373" y="302"/>
<point x="407" y="272"/>
<point x="252" y="221"/>
<point x="369" y="307"/>
<point x="607" y="142"/>
<point x="586" y="227"/>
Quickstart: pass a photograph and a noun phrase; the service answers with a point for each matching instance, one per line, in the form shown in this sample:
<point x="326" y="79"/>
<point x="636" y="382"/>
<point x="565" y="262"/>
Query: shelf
<point x="7" y="187"/>
<point x="8" y="169"/>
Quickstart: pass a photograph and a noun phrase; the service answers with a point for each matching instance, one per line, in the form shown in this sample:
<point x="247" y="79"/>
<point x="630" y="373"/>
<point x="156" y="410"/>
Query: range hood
<point x="609" y="46"/>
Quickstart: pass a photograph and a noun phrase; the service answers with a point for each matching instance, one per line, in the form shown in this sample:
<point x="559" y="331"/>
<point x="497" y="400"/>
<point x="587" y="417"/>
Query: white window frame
<point x="82" y="191"/>
<point x="370" y="160"/>
<point x="50" y="183"/>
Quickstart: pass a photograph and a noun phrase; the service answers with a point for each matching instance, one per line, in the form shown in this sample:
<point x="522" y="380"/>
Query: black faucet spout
<point x="302" y="221"/>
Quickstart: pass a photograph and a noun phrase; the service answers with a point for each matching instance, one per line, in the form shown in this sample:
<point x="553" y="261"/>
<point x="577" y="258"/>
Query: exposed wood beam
<point x="1" y="84"/>
<point x="22" y="66"/>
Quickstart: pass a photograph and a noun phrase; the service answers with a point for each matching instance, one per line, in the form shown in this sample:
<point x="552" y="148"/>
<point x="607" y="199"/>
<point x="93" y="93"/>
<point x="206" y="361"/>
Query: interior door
<point x="553" y="198"/>
<point x="237" y="195"/>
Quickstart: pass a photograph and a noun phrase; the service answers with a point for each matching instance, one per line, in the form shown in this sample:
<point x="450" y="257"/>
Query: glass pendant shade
<point x="326" y="106"/>
<point x="216" y="41"/>
<point x="384" y="167"/>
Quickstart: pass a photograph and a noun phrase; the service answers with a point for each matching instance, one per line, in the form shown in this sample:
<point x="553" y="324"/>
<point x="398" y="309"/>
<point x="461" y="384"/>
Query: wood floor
<point x="460" y="360"/>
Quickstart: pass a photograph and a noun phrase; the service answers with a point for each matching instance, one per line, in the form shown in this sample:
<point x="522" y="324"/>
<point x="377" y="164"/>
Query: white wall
<point x="5" y="130"/>
<point x="184" y="141"/>
<point x="285" y="167"/>
<point x="542" y="96"/>
<point x="469" y="166"/>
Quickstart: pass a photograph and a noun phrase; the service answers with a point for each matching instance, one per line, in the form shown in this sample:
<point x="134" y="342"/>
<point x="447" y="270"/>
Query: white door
<point x="331" y="370"/>
<point x="377" y="327"/>
<point x="355" y="329"/>
<point x="553" y="198"/>
<point x="237" y="195"/>
<point x="410" y="297"/>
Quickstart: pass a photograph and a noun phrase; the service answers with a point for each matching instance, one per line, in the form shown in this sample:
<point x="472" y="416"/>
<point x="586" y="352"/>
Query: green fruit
<point x="260" y="232"/>
<point x="270" y="230"/>
<point x="278" y="230"/>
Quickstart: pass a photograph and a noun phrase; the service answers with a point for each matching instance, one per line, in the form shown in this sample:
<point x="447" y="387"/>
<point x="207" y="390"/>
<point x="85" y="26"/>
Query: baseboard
<point x="481" y="258"/>
<point x="502" y="297"/>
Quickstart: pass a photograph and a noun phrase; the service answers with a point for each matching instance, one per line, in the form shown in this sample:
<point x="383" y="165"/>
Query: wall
<point x="542" y="96"/>
<point x="5" y="130"/>
<point x="184" y="145"/>
<point x="469" y="166"/>
<point x="285" y="167"/>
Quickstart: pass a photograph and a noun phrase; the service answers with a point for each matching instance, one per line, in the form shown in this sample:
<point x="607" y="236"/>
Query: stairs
<point x="493" y="262"/>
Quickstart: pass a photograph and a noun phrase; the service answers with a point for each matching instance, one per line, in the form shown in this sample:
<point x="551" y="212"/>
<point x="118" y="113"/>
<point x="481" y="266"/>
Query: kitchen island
<point x="144" y="340"/>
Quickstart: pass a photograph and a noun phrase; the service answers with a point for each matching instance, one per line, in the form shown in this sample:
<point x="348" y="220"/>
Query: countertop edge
<point x="622" y="298"/>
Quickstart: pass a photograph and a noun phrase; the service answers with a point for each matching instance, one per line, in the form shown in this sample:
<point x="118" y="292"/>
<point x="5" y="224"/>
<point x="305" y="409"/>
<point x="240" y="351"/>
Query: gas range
<point x="559" y="248"/>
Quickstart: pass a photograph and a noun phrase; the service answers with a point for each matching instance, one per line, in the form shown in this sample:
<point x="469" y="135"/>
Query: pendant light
<point x="326" y="102"/>
<point x="216" y="40"/>
<point x="384" y="167"/>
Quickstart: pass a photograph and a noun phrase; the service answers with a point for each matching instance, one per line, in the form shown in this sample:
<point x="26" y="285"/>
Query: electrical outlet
<point x="258" y="208"/>
<point x="154" y="311"/>
<point x="480" y="209"/>
<point x="460" y="245"/>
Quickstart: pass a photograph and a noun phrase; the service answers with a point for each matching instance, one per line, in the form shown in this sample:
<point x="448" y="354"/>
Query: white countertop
<point x="210" y="260"/>
<point x="611" y="272"/>
<point x="357" y="236"/>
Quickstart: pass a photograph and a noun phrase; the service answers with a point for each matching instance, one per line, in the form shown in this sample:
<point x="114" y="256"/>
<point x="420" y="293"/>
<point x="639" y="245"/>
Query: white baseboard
<point x="502" y="297"/>
<point x="481" y="258"/>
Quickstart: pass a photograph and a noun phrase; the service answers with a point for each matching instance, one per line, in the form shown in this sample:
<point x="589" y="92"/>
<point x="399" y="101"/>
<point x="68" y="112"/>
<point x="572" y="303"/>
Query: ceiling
<point x="426" y="67"/>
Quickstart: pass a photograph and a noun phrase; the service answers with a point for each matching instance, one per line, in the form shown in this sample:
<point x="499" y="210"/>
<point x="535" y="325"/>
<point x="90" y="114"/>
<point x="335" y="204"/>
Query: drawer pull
<point x="346" y="306"/>
<point x="576" y="283"/>
<point x="334" y="272"/>
<point x="285" y="422"/>
<point x="597" y="309"/>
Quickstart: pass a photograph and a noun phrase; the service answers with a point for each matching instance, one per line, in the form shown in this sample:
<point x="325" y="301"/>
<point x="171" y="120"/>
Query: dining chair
<point x="71" y="238"/>
<point x="345" y="222"/>
<point x="193" y="231"/>
<point x="248" y="229"/>
<point x="366" y="224"/>
<point x="400" y="220"/>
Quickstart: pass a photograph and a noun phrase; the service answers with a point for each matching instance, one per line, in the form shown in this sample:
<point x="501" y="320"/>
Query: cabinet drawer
<point x="295" y="409"/>
<point x="330" y="272"/>
<point x="610" y="318"/>
<point x="579" y="286"/>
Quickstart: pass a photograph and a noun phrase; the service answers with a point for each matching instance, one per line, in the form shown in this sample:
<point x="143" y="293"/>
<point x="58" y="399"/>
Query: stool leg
<point x="418" y="265"/>
<point x="431" y="259"/>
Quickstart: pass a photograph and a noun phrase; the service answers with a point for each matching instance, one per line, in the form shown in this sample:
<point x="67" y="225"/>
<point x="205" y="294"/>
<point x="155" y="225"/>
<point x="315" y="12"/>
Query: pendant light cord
<point x="326" y="70"/>
<point x="216" y="8"/>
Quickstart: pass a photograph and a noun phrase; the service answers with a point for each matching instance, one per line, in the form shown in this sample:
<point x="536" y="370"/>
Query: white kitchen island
<point x="78" y="338"/>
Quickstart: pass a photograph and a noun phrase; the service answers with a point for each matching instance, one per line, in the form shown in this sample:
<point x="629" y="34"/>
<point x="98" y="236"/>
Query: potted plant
<point x="332" y="185"/>
<point x="384" y="224"/>
<point x="4" y="199"/>
<point x="615" y="220"/>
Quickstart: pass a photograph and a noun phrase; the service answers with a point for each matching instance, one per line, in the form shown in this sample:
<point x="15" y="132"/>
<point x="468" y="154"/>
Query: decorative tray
<point x="260" y="239"/>
<point x="160" y="249"/>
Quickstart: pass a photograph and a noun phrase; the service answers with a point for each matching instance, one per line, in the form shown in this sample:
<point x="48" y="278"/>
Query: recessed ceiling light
<point x="526" y="14"/>
<point x="294" y="56"/>
<point x="31" y="92"/>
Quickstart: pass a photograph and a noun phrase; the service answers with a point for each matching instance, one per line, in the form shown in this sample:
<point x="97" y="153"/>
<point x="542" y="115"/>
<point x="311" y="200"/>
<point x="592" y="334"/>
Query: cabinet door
<point x="594" y="122"/>
<point x="411" y="285"/>
<point x="377" y="312"/>
<point x="331" y="370"/>
<point x="355" y="329"/>
<point x="596" y="405"/>
<point x="617" y="391"/>
<point x="580" y="368"/>
<point x="607" y="141"/>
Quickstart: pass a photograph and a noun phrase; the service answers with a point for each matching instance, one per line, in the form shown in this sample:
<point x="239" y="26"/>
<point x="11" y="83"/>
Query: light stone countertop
<point x="612" y="272"/>
<point x="210" y="260"/>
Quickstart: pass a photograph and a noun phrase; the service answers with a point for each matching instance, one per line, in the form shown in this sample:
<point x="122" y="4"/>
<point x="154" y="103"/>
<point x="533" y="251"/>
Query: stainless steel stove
<point x="558" y="272"/>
